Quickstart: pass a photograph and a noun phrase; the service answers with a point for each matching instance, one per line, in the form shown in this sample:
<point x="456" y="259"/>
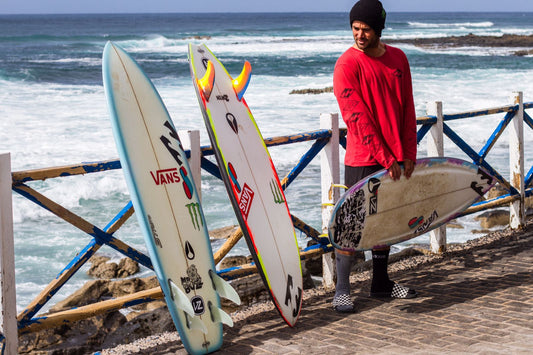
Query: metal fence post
<point x="330" y="174"/>
<point x="435" y="148"/>
<point x="8" y="312"/>
<point x="516" y="161"/>
<point x="191" y="140"/>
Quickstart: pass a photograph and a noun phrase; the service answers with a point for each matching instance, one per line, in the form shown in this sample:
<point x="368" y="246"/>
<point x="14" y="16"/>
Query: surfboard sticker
<point x="165" y="199"/>
<point x="251" y="181"/>
<point x="378" y="211"/>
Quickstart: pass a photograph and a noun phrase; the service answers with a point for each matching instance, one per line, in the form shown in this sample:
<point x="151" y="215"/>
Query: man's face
<point x="364" y="36"/>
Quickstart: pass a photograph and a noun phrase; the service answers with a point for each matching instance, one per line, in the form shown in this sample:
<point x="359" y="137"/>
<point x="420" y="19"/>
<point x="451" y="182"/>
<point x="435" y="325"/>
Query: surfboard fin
<point x="224" y="289"/>
<point x="207" y="81"/>
<point x="340" y="185"/>
<point x="219" y="316"/>
<point x="182" y="301"/>
<point x="241" y="83"/>
<point x="195" y="323"/>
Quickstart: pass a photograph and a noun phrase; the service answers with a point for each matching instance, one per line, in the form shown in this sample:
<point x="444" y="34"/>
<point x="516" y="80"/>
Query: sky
<point x="144" y="6"/>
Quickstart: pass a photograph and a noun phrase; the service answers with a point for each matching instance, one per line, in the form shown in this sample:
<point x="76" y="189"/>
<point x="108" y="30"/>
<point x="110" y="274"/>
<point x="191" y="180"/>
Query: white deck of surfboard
<point x="378" y="211"/>
<point x="254" y="189"/>
<point x="165" y="200"/>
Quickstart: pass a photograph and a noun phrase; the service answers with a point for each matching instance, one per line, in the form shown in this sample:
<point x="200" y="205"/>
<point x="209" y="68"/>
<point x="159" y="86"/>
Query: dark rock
<point x="102" y="269"/>
<point x="493" y="218"/>
<point x="233" y="261"/>
<point x="127" y="267"/>
<point x="507" y="40"/>
<point x="312" y="91"/>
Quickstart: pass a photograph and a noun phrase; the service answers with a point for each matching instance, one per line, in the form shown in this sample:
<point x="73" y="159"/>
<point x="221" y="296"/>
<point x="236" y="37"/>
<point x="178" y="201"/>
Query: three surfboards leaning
<point x="378" y="211"/>
<point x="250" y="178"/>
<point x="166" y="203"/>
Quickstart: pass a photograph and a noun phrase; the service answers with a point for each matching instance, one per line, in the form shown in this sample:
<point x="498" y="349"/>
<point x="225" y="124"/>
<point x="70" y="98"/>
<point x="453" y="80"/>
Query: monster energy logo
<point x="196" y="215"/>
<point x="276" y="192"/>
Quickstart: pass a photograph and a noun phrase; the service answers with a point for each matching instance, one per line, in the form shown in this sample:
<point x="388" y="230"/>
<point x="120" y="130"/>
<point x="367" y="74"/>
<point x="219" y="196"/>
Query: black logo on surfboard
<point x="232" y="121"/>
<point x="373" y="186"/>
<point x="297" y="296"/>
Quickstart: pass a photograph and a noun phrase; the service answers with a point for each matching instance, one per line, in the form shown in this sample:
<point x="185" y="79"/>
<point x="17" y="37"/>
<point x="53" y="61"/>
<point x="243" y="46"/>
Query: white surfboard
<point x="166" y="203"/>
<point x="378" y="211"/>
<point x="250" y="178"/>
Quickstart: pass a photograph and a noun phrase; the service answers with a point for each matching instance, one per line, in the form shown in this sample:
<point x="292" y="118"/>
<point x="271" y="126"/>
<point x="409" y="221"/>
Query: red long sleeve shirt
<point x="375" y="96"/>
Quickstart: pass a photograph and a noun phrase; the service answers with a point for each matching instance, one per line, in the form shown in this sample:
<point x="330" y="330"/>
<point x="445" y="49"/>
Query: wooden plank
<point x="330" y="176"/>
<point x="517" y="214"/>
<point x="8" y="311"/>
<point x="435" y="148"/>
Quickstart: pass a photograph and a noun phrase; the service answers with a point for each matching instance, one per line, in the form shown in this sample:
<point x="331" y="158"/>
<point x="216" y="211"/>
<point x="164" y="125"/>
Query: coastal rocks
<point x="506" y="40"/>
<point x="312" y="91"/>
<point x="222" y="233"/>
<point x="493" y="218"/>
<point x="233" y="261"/>
<point x="109" y="329"/>
<point x="101" y="269"/>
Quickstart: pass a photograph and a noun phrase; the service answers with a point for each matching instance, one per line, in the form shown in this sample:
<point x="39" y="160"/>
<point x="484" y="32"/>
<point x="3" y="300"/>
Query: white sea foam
<point x="449" y="25"/>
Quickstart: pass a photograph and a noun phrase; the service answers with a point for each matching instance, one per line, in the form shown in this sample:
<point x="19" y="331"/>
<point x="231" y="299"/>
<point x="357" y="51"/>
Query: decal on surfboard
<point x="350" y="220"/>
<point x="373" y="186"/>
<point x="276" y="192"/>
<point x="196" y="215"/>
<point x="157" y="241"/>
<point x="297" y="296"/>
<point x="478" y="188"/>
<point x="246" y="200"/>
<point x="193" y="280"/>
<point x="232" y="121"/>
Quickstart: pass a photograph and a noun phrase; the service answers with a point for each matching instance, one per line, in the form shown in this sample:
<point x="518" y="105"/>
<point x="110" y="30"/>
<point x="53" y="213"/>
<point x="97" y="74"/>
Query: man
<point x="372" y="84"/>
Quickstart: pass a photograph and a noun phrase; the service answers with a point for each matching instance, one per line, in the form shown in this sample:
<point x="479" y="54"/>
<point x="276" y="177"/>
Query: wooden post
<point x="191" y="140"/>
<point x="435" y="148"/>
<point x="8" y="312"/>
<point x="330" y="174"/>
<point x="516" y="160"/>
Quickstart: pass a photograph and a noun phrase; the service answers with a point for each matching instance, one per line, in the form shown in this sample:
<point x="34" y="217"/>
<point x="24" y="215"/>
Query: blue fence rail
<point x="29" y="321"/>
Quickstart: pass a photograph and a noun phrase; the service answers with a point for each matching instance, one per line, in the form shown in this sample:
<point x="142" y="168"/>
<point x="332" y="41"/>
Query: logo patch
<point x="245" y="203"/>
<point x="232" y="121"/>
<point x="198" y="305"/>
<point x="165" y="176"/>
<point x="192" y="281"/>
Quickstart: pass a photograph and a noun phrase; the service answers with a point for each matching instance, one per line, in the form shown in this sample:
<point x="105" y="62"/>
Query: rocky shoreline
<point x="471" y="40"/>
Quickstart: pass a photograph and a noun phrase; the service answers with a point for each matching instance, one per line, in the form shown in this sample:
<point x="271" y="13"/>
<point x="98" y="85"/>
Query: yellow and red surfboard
<point x="250" y="177"/>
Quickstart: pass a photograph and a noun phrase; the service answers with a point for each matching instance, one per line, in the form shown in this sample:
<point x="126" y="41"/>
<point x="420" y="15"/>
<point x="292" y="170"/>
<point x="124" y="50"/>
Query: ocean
<point x="53" y="110"/>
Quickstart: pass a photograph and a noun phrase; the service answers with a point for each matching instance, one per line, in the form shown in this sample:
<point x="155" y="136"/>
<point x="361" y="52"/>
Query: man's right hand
<point x="395" y="171"/>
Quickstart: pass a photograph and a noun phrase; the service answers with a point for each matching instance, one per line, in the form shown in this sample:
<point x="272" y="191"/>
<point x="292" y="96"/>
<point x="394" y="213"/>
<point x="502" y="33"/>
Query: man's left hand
<point x="409" y="167"/>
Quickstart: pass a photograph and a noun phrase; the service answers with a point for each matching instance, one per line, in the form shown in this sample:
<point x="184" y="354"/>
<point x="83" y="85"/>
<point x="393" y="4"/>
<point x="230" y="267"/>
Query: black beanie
<point x="370" y="12"/>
